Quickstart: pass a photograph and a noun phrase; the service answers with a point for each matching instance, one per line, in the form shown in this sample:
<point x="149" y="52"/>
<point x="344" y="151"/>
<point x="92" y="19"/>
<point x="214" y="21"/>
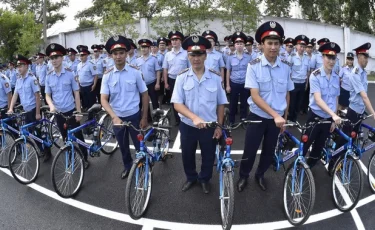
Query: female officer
<point x="198" y="97"/>
<point x="344" y="75"/>
<point x="324" y="92"/>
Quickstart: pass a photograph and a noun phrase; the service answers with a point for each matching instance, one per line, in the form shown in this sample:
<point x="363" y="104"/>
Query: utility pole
<point x="44" y="23"/>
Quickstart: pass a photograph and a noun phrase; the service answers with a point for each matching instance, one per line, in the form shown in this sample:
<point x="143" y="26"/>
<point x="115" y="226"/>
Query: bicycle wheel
<point x="55" y="133"/>
<point x="226" y="117"/>
<point x="299" y="194"/>
<point x="67" y="171"/>
<point x="227" y="200"/>
<point x="138" y="189"/>
<point x="23" y="161"/>
<point x="107" y="136"/>
<point x="347" y="183"/>
<point x="6" y="141"/>
<point x="371" y="171"/>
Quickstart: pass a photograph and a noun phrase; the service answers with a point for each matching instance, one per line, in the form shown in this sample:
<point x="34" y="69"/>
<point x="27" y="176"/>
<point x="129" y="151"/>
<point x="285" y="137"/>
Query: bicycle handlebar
<point x="229" y="127"/>
<point x="159" y="127"/>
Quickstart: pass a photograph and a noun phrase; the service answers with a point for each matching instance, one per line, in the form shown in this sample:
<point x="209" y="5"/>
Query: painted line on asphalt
<point x="177" y="142"/>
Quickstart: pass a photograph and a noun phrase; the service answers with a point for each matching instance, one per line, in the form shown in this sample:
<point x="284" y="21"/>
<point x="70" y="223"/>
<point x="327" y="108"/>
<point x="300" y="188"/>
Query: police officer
<point x="72" y="62"/>
<point x="41" y="72"/>
<point x="249" y="47"/>
<point x="344" y="75"/>
<point x="310" y="53"/>
<point x="151" y="71"/>
<point x="324" y="92"/>
<point x="98" y="62"/>
<point x="268" y="78"/>
<point x="174" y="62"/>
<point x="27" y="88"/>
<point x="236" y="74"/>
<point x="198" y="97"/>
<point x="87" y="77"/>
<point x="162" y="45"/>
<point x="300" y="70"/>
<point x="217" y="47"/>
<point x="154" y="49"/>
<point x="317" y="60"/>
<point x="12" y="75"/>
<point x="230" y="51"/>
<point x="288" y="48"/>
<point x="60" y="83"/>
<point x="103" y="52"/>
<point x="108" y="62"/>
<point x="132" y="55"/>
<point x="214" y="59"/>
<point x="5" y="94"/>
<point x="123" y="84"/>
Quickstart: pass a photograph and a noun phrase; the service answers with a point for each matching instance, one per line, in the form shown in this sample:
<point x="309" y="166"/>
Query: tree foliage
<point x="278" y="8"/>
<point x="85" y="24"/>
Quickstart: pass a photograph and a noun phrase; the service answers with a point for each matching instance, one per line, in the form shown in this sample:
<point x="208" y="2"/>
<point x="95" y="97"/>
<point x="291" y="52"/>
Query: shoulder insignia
<point x="356" y="70"/>
<point x="6" y="85"/>
<point x="337" y="73"/>
<point x="286" y="62"/>
<point x="316" y="72"/>
<point x="76" y="78"/>
<point x="35" y="82"/>
<point x="104" y="61"/>
<point x="109" y="70"/>
<point x="293" y="54"/>
<point x="3" y="77"/>
<point x="134" y="66"/>
<point x="49" y="72"/>
<point x="183" y="71"/>
<point x="213" y="71"/>
<point x="94" y="67"/>
<point x="256" y="60"/>
<point x="66" y="68"/>
<point x="92" y="61"/>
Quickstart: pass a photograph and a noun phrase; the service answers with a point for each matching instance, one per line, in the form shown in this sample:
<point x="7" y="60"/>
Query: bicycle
<point x="225" y="167"/>
<point x="347" y="171"/>
<point x="69" y="159"/>
<point x="24" y="152"/>
<point x="139" y="185"/>
<point x="298" y="177"/>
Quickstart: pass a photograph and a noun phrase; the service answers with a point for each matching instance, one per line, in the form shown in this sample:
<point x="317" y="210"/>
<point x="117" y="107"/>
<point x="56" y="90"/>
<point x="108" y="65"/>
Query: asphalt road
<point x="101" y="201"/>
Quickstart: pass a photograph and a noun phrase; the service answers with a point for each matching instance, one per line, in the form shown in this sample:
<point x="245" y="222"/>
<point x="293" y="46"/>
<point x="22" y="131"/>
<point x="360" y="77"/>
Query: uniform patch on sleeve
<point x="183" y="71"/>
<point x="94" y="67"/>
<point x="213" y="71"/>
<point x="256" y="60"/>
<point x="104" y="61"/>
<point x="133" y="66"/>
<point x="68" y="69"/>
<point x="316" y="72"/>
<point x="356" y="70"/>
<point x="76" y="78"/>
<point x="109" y="70"/>
<point x="7" y="85"/>
<point x="286" y="62"/>
<point x="35" y="82"/>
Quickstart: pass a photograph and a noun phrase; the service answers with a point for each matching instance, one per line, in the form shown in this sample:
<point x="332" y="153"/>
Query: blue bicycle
<point x="299" y="185"/>
<point x="68" y="167"/>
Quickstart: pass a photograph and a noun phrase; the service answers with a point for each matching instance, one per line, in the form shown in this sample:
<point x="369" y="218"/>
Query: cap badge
<point x="195" y="39"/>
<point x="368" y="45"/>
<point x="272" y="25"/>
<point x="115" y="38"/>
<point x="303" y="36"/>
<point x="207" y="31"/>
<point x="53" y="46"/>
<point x="333" y="45"/>
<point x="238" y="33"/>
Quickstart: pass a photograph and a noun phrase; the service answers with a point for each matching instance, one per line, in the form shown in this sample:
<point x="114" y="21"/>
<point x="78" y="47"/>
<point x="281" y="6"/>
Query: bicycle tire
<point x="107" y="122"/>
<point x="78" y="158"/>
<point x="140" y="165"/>
<point x="17" y="156"/>
<point x="55" y="133"/>
<point x="371" y="167"/>
<point x="5" y="148"/>
<point x="301" y="169"/>
<point x="336" y="178"/>
<point x="227" y="191"/>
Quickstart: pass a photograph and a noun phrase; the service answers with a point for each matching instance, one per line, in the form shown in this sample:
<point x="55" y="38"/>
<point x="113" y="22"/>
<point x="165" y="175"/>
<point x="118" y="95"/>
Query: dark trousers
<point x="97" y="90"/>
<point x="190" y="137"/>
<point x="318" y="135"/>
<point x="255" y="132"/>
<point x="153" y="94"/>
<point x="354" y="117"/>
<point x="122" y="136"/>
<point x="88" y="97"/>
<point x="72" y="123"/>
<point x="296" y="96"/>
<point x="305" y="100"/>
<point x="29" y="118"/>
<point x="171" y="83"/>
<point x="18" y="98"/>
<point x="43" y="90"/>
<point x="238" y="89"/>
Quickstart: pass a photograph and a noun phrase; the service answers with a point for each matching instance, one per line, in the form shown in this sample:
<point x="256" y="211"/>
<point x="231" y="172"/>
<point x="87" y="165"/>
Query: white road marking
<point x="177" y="142"/>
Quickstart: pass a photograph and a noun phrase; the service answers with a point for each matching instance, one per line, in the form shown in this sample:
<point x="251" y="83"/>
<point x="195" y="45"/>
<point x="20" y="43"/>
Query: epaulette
<point x="66" y="68"/>
<point x="356" y="70"/>
<point x="253" y="62"/>
<point x="213" y="71"/>
<point x="337" y="73"/>
<point x="92" y="61"/>
<point x="316" y="72"/>
<point x="293" y="54"/>
<point x="286" y="62"/>
<point x="133" y="66"/>
<point x="108" y="70"/>
<point x="183" y="71"/>
<point x="49" y="72"/>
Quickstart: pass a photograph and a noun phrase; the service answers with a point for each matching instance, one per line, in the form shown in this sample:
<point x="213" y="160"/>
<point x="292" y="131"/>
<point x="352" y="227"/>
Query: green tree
<point x="360" y="15"/>
<point x="310" y="10"/>
<point x="278" y="8"/>
<point x="98" y="9"/>
<point x="116" y="21"/>
<point x="36" y="7"/>
<point x="85" y="24"/>
<point x="19" y="34"/>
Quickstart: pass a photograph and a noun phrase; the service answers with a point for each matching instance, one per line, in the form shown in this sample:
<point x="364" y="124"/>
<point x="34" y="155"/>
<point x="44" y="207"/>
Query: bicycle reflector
<point x="305" y="138"/>
<point x="140" y="137"/>
<point x="229" y="141"/>
<point x="353" y="134"/>
<point x="65" y="126"/>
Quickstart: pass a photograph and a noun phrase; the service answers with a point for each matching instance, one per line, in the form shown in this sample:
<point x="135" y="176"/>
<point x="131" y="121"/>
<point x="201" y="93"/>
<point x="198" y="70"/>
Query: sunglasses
<point x="54" y="57"/>
<point x="82" y="55"/>
<point x="331" y="57"/>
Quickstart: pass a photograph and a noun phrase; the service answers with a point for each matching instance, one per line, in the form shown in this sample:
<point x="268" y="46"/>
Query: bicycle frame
<point x="25" y="133"/>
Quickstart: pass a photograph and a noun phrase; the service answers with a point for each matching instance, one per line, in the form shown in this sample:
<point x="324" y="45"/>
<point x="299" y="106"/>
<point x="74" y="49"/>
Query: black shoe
<point x="262" y="183"/>
<point x="205" y="187"/>
<point x="47" y="156"/>
<point x="241" y="184"/>
<point x="125" y="173"/>
<point x="188" y="185"/>
<point x="86" y="164"/>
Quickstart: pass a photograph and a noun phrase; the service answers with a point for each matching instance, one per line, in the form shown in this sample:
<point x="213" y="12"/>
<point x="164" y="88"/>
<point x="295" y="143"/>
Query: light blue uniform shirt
<point x="108" y="63"/>
<point x="148" y="67"/>
<point x="160" y="57"/>
<point x="358" y="84"/>
<point x="103" y="56"/>
<point x="285" y="55"/>
<point x="300" y="67"/>
<point x="344" y="74"/>
<point x="32" y="68"/>
<point x="214" y="61"/>
<point x="238" y="67"/>
<point x="61" y="87"/>
<point x="200" y="96"/>
<point x="86" y="73"/>
<point x="13" y="77"/>
<point x="26" y="88"/>
<point x="132" y="60"/>
<point x="337" y="66"/>
<point x="72" y="65"/>
<point x="124" y="87"/>
<point x="4" y="90"/>
<point x="99" y="66"/>
<point x="226" y="55"/>
<point x="273" y="83"/>
<point x="175" y="62"/>
<point x="316" y="61"/>
<point x="41" y="72"/>
<point x="329" y="90"/>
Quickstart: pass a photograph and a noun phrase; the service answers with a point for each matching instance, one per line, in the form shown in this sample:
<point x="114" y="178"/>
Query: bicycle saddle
<point x="44" y="108"/>
<point x="157" y="113"/>
<point x="95" y="108"/>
